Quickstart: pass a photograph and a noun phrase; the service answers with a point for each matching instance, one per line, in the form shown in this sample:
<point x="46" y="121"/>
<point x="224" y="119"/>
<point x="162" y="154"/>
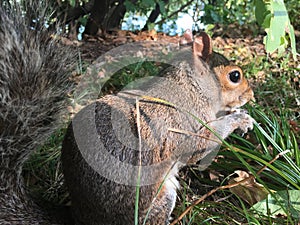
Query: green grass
<point x="129" y="74"/>
<point x="265" y="142"/>
<point x="43" y="173"/>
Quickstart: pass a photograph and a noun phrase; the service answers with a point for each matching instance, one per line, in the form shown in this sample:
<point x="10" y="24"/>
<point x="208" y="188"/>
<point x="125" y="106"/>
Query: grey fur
<point x="34" y="72"/>
<point x="104" y="198"/>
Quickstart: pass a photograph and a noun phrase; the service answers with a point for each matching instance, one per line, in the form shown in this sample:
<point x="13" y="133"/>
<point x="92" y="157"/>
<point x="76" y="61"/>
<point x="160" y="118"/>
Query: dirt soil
<point x="241" y="43"/>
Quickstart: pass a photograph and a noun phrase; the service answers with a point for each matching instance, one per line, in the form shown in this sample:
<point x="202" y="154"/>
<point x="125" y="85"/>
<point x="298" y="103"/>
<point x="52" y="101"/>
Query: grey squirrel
<point x="142" y="137"/>
<point x="34" y="82"/>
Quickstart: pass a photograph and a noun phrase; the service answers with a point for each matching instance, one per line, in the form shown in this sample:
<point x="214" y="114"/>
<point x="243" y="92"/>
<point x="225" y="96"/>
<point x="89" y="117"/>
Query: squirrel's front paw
<point x="242" y="121"/>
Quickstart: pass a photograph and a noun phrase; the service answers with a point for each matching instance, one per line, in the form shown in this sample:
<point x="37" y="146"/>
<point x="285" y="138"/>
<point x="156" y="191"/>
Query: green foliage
<point x="273" y="17"/>
<point x="228" y="12"/>
<point x="275" y="137"/>
<point x="169" y="10"/>
<point x="271" y="137"/>
<point x="162" y="6"/>
<point x="72" y="3"/>
<point x="142" y="6"/>
<point x="293" y="8"/>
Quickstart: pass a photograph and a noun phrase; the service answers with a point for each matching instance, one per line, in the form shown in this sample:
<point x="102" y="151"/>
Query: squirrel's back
<point x="142" y="137"/>
<point x="33" y="82"/>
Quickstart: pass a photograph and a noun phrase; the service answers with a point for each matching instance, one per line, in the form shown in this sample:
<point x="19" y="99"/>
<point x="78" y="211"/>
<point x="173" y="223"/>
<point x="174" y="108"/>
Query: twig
<point x="193" y="134"/>
<point x="275" y="158"/>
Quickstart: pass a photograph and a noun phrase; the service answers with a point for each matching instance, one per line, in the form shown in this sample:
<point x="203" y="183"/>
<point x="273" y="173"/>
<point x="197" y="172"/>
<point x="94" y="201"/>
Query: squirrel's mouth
<point x="234" y="106"/>
<point x="230" y="110"/>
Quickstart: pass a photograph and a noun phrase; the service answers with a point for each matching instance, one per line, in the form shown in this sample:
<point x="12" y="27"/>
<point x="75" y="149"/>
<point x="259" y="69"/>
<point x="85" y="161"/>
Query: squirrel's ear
<point x="186" y="38"/>
<point x="202" y="46"/>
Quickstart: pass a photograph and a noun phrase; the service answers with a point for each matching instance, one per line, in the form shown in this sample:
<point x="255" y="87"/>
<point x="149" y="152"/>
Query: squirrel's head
<point x="235" y="89"/>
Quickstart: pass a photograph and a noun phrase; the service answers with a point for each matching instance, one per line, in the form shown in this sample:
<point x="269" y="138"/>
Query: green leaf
<point x="280" y="203"/>
<point x="130" y="6"/>
<point x="291" y="33"/>
<point x="72" y="3"/>
<point x="277" y="24"/>
<point x="260" y="11"/>
<point x="162" y="6"/>
<point x="148" y="3"/>
<point x="151" y="26"/>
<point x="267" y="20"/>
<point x="276" y="30"/>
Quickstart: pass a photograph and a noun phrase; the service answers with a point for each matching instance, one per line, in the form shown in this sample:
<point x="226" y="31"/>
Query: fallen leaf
<point x="250" y="191"/>
<point x="280" y="203"/>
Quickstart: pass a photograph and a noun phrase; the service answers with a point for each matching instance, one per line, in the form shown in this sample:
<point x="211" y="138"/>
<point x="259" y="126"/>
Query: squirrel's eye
<point x="235" y="76"/>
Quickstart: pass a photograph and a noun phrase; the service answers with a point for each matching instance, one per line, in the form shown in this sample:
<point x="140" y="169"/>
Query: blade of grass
<point x="137" y="197"/>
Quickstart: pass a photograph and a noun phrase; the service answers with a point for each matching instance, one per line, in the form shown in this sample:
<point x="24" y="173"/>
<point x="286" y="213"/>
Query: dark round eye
<point x="235" y="76"/>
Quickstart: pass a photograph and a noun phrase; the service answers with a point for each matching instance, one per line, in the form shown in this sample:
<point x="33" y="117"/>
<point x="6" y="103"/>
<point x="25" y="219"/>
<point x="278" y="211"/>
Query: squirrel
<point x="170" y="119"/>
<point x="34" y="82"/>
<point x="131" y="145"/>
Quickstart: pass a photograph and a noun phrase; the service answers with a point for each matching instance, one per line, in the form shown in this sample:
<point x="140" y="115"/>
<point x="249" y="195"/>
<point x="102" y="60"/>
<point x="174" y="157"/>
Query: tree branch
<point x="175" y="12"/>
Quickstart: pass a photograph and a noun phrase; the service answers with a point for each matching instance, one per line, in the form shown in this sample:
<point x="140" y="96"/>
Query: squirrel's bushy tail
<point x="33" y="83"/>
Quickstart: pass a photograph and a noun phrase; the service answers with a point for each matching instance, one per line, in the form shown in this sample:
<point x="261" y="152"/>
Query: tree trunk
<point x="118" y="13"/>
<point x="99" y="12"/>
<point x="154" y="14"/>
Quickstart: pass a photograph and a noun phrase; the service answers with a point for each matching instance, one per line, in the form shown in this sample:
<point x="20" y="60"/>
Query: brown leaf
<point x="250" y="191"/>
